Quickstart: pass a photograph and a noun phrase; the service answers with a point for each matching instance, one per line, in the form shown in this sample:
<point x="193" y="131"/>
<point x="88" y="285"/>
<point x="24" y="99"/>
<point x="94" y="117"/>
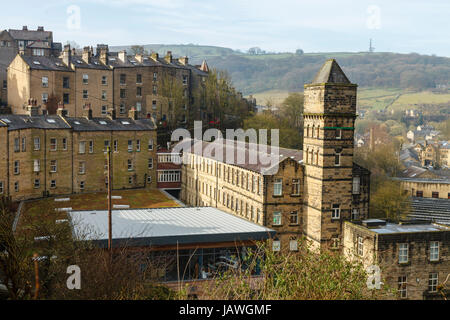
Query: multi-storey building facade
<point x="156" y="87"/>
<point x="54" y="154"/>
<point x="313" y="192"/>
<point x="413" y="258"/>
<point x="27" y="42"/>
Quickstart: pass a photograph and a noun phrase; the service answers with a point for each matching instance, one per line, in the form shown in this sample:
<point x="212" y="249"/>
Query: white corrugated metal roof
<point x="408" y="228"/>
<point x="162" y="222"/>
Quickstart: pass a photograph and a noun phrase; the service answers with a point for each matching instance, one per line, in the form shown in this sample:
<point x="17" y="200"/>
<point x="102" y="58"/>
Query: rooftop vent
<point x="51" y="121"/>
<point x="373" y="223"/>
<point x="36" y="62"/>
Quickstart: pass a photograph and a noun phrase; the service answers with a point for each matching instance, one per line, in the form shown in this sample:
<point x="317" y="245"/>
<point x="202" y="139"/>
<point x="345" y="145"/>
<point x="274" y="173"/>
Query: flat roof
<point x="165" y="226"/>
<point x="390" y="228"/>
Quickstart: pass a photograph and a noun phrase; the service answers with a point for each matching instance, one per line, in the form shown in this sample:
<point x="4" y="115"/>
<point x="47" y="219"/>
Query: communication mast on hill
<point x="371" y="49"/>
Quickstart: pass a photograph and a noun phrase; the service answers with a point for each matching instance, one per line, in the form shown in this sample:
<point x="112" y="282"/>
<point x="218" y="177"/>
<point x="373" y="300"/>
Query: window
<point x="104" y="95"/>
<point x="337" y="159"/>
<point x="104" y="110"/>
<point x="154" y="104"/>
<point x="37" y="183"/>
<point x="150" y="163"/>
<point x="82" y="147"/>
<point x="45" y="82"/>
<point x="130" y="165"/>
<point x="185" y="80"/>
<point x="37" y="144"/>
<point x="123" y="78"/>
<point x="16" y="186"/>
<point x="16" y="144"/>
<point x="155" y="89"/>
<point x="44" y="97"/>
<point x="130" y="145"/>
<point x="338" y="133"/>
<point x="130" y="180"/>
<point x="138" y="92"/>
<point x="38" y="52"/>
<point x="433" y="282"/>
<point x="295" y="187"/>
<point x="104" y="80"/>
<point x="1" y="187"/>
<point x="66" y="98"/>
<point x="434" y="251"/>
<point x="277" y="218"/>
<point x="122" y="109"/>
<point x="5" y="84"/>
<point x="293" y="245"/>
<point x="155" y="76"/>
<point x="293" y="217"/>
<point x="356" y="185"/>
<point x="419" y="194"/>
<point x="435" y="194"/>
<point x="138" y="145"/>
<point x="149" y="179"/>
<point x="53" y="144"/>
<point x="91" y="146"/>
<point x="81" y="185"/>
<point x="53" y="166"/>
<point x="116" y="145"/>
<point x="82" y="167"/>
<point x="278" y="187"/>
<point x="402" y="287"/>
<point x="106" y="145"/>
<point x="123" y="93"/>
<point x="139" y="78"/>
<point x="150" y="144"/>
<point x="85" y="94"/>
<point x="36" y="165"/>
<point x="85" y="79"/>
<point x="355" y="214"/>
<point x="66" y="83"/>
<point x="64" y="143"/>
<point x="360" y="246"/>
<point x="17" y="167"/>
<point x="53" y="184"/>
<point x="336" y="211"/>
<point x="138" y="106"/>
<point x="276" y="245"/>
<point x="403" y="253"/>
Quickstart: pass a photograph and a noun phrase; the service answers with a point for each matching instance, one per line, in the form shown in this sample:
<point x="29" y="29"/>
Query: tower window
<point x="336" y="211"/>
<point x="337" y="159"/>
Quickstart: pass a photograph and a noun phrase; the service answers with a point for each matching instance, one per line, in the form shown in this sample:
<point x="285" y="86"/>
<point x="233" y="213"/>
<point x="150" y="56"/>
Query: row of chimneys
<point x="103" y="53"/>
<point x="33" y="110"/>
<point x="25" y="28"/>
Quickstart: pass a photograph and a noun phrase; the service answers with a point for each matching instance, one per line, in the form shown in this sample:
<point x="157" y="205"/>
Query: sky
<point x="273" y="25"/>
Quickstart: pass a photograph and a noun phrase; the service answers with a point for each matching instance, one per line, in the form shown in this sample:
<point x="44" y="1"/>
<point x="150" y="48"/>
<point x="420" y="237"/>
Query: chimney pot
<point x="40" y="28"/>
<point x="123" y="56"/>
<point x="25" y="28"/>
<point x="133" y="114"/>
<point x="87" y="111"/>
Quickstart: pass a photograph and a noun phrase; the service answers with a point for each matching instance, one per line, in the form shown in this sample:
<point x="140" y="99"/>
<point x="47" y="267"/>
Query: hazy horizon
<point x="320" y="26"/>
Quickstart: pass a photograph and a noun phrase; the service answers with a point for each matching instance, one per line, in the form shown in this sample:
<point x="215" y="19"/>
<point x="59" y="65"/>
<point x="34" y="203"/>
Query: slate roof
<point x="430" y="209"/>
<point x="16" y="122"/>
<point x="45" y="63"/>
<point x="274" y="158"/>
<point x="331" y="72"/>
<point x="30" y="35"/>
<point x="106" y="124"/>
<point x="78" y="62"/>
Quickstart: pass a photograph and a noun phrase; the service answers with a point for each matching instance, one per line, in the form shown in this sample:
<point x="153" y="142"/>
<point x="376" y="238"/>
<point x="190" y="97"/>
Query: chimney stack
<point x="25" y="28"/>
<point x="112" y="113"/>
<point x="139" y="57"/>
<point x="123" y="56"/>
<point x="87" y="54"/>
<point x="103" y="53"/>
<point x="183" y="60"/>
<point x="168" y="57"/>
<point x="61" y="111"/>
<point x="32" y="108"/>
<point x="40" y="29"/>
<point x="87" y="111"/>
<point x="67" y="55"/>
<point x="133" y="114"/>
<point x="155" y="56"/>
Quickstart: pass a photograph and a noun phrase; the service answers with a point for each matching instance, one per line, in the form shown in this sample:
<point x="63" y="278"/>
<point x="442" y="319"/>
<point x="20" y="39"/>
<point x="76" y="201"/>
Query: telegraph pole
<point x="108" y="151"/>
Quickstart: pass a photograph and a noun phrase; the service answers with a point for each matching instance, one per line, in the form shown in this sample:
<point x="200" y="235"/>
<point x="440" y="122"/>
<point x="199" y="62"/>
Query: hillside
<point x="289" y="71"/>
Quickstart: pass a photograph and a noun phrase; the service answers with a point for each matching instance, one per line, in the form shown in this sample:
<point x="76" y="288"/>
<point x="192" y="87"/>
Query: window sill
<point x="295" y="195"/>
<point x="277" y="225"/>
<point x="434" y="261"/>
<point x="277" y="196"/>
<point x="404" y="264"/>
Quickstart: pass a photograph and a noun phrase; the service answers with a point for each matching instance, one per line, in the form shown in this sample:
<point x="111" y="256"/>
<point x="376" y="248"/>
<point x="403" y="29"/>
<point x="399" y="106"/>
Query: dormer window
<point x="85" y="78"/>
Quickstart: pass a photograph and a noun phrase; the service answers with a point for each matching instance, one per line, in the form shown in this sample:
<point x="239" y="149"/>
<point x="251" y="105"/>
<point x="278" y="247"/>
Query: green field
<point x="373" y="98"/>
